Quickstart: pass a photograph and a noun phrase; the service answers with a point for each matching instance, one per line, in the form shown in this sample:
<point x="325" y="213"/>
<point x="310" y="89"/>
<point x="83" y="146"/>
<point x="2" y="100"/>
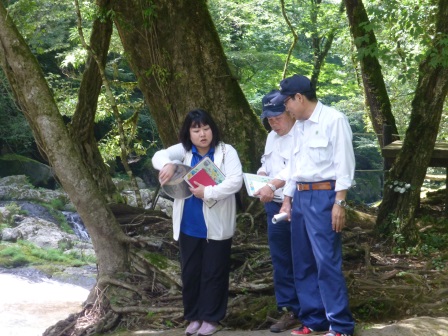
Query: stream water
<point x="29" y="307"/>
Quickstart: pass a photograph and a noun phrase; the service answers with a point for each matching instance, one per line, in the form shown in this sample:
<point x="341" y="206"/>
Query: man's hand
<point x="338" y="212"/>
<point x="338" y="218"/>
<point x="265" y="194"/>
<point x="286" y="206"/>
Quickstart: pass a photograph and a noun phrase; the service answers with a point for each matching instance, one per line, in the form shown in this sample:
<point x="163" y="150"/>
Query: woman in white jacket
<point x="204" y="234"/>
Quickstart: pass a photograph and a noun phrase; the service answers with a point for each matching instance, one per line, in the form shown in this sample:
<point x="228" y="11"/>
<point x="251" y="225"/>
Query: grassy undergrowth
<point x="24" y="253"/>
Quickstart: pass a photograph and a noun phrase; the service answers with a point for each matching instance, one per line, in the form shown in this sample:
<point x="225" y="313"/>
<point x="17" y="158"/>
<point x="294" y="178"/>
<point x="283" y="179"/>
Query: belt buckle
<point x="303" y="186"/>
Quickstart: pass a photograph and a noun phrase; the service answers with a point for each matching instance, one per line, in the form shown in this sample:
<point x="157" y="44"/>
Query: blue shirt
<point x="193" y="222"/>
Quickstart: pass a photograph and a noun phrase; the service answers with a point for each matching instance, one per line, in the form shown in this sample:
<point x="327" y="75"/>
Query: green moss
<point x="254" y="314"/>
<point x="15" y="157"/>
<point x="157" y="260"/>
<point x="25" y="253"/>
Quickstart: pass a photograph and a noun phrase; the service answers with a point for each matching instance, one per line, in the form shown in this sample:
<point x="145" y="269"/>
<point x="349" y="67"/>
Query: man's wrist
<point x="273" y="187"/>
<point x="341" y="202"/>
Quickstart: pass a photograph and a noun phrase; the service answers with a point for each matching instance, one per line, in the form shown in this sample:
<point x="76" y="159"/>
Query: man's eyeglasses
<point x="286" y="100"/>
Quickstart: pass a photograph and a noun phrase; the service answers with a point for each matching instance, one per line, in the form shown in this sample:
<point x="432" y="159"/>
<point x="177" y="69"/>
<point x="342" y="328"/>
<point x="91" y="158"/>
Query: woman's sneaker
<point x="192" y="328"/>
<point x="208" y="328"/>
<point x="303" y="330"/>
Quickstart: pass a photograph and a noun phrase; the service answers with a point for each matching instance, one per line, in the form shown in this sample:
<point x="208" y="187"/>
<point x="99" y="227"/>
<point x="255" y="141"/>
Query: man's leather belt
<point x="304" y="186"/>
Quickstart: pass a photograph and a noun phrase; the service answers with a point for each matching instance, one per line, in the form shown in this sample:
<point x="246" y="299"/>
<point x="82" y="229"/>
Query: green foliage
<point x="25" y="253"/>
<point x="433" y="239"/>
<point x="371" y="310"/>
<point x="398" y="237"/>
<point x="169" y="323"/>
<point x="54" y="208"/>
<point x="12" y="257"/>
<point x="156" y="259"/>
<point x="44" y="24"/>
<point x="7" y="217"/>
<point x="57" y="204"/>
<point x="15" y="133"/>
<point x="256" y="40"/>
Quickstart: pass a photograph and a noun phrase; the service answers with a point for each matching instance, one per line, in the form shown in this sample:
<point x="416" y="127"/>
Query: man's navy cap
<point x="292" y="85"/>
<point x="271" y="109"/>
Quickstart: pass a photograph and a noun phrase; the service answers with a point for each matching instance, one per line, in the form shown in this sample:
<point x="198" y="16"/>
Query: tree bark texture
<point x="375" y="91"/>
<point x="177" y="56"/>
<point x="413" y="160"/>
<point x="82" y="125"/>
<point x="37" y="103"/>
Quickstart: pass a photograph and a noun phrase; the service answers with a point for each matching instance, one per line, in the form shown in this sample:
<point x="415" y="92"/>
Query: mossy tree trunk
<point x="397" y="210"/>
<point x="375" y="90"/>
<point x="36" y="100"/>
<point x="177" y="56"/>
<point x="81" y="128"/>
<point x="180" y="65"/>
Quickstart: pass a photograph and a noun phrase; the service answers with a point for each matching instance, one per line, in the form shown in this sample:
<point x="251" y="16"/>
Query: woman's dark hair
<point x="196" y="118"/>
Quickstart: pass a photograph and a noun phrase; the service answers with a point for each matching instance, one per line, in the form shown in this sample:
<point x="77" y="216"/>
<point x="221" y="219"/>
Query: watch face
<point x="341" y="203"/>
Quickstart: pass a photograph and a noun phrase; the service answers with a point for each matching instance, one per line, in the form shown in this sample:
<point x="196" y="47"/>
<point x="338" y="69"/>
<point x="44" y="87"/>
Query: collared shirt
<point x="322" y="151"/>
<point x="276" y="157"/>
<point x="193" y="222"/>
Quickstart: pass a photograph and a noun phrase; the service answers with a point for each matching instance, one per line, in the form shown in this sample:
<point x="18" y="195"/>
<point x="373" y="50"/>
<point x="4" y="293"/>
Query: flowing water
<point x="75" y="222"/>
<point x="29" y="307"/>
<point x="30" y="304"/>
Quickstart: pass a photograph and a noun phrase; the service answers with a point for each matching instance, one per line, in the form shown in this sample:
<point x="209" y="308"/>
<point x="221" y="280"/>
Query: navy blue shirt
<point x="193" y="222"/>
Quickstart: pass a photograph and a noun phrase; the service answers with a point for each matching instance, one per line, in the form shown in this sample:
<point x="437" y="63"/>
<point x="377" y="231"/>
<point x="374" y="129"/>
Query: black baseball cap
<point x="292" y="85"/>
<point x="271" y="108"/>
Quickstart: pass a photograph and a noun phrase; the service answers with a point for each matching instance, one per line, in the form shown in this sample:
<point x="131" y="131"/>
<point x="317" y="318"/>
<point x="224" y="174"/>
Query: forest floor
<point x="393" y="290"/>
<point x="386" y="282"/>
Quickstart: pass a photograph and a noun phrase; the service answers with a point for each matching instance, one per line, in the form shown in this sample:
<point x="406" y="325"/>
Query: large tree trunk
<point x="176" y="73"/>
<point x="375" y="91"/>
<point x="37" y="103"/>
<point x="396" y="213"/>
<point x="83" y="121"/>
<point x="177" y="57"/>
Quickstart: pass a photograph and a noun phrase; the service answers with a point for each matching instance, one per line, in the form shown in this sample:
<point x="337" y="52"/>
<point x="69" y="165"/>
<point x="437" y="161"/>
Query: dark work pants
<point x="317" y="251"/>
<point x="205" y="277"/>
<point x="279" y="238"/>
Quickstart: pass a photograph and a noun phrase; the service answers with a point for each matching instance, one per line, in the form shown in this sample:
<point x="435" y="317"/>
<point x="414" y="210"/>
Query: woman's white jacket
<point x="221" y="218"/>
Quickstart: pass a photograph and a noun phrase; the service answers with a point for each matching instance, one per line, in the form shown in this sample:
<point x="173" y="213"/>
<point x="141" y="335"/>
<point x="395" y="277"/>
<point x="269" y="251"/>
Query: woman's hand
<point x="198" y="191"/>
<point x="166" y="173"/>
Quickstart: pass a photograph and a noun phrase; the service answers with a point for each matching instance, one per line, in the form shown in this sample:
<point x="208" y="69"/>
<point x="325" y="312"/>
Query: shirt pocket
<point x="284" y="157"/>
<point x="319" y="150"/>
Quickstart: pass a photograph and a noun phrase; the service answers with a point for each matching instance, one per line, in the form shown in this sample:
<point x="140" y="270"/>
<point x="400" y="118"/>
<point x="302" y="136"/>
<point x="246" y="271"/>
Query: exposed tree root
<point x="382" y="286"/>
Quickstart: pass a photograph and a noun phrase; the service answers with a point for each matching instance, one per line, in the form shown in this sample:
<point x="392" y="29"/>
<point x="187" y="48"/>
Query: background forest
<point x="140" y="105"/>
<point x="256" y="40"/>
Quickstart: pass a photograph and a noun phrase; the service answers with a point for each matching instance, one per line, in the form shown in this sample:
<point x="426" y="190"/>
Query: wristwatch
<point x="273" y="187"/>
<point x="342" y="203"/>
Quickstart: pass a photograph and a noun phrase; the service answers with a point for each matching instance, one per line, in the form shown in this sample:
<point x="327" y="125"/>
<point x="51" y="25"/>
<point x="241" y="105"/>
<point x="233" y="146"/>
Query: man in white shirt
<point x="273" y="163"/>
<point x="321" y="170"/>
